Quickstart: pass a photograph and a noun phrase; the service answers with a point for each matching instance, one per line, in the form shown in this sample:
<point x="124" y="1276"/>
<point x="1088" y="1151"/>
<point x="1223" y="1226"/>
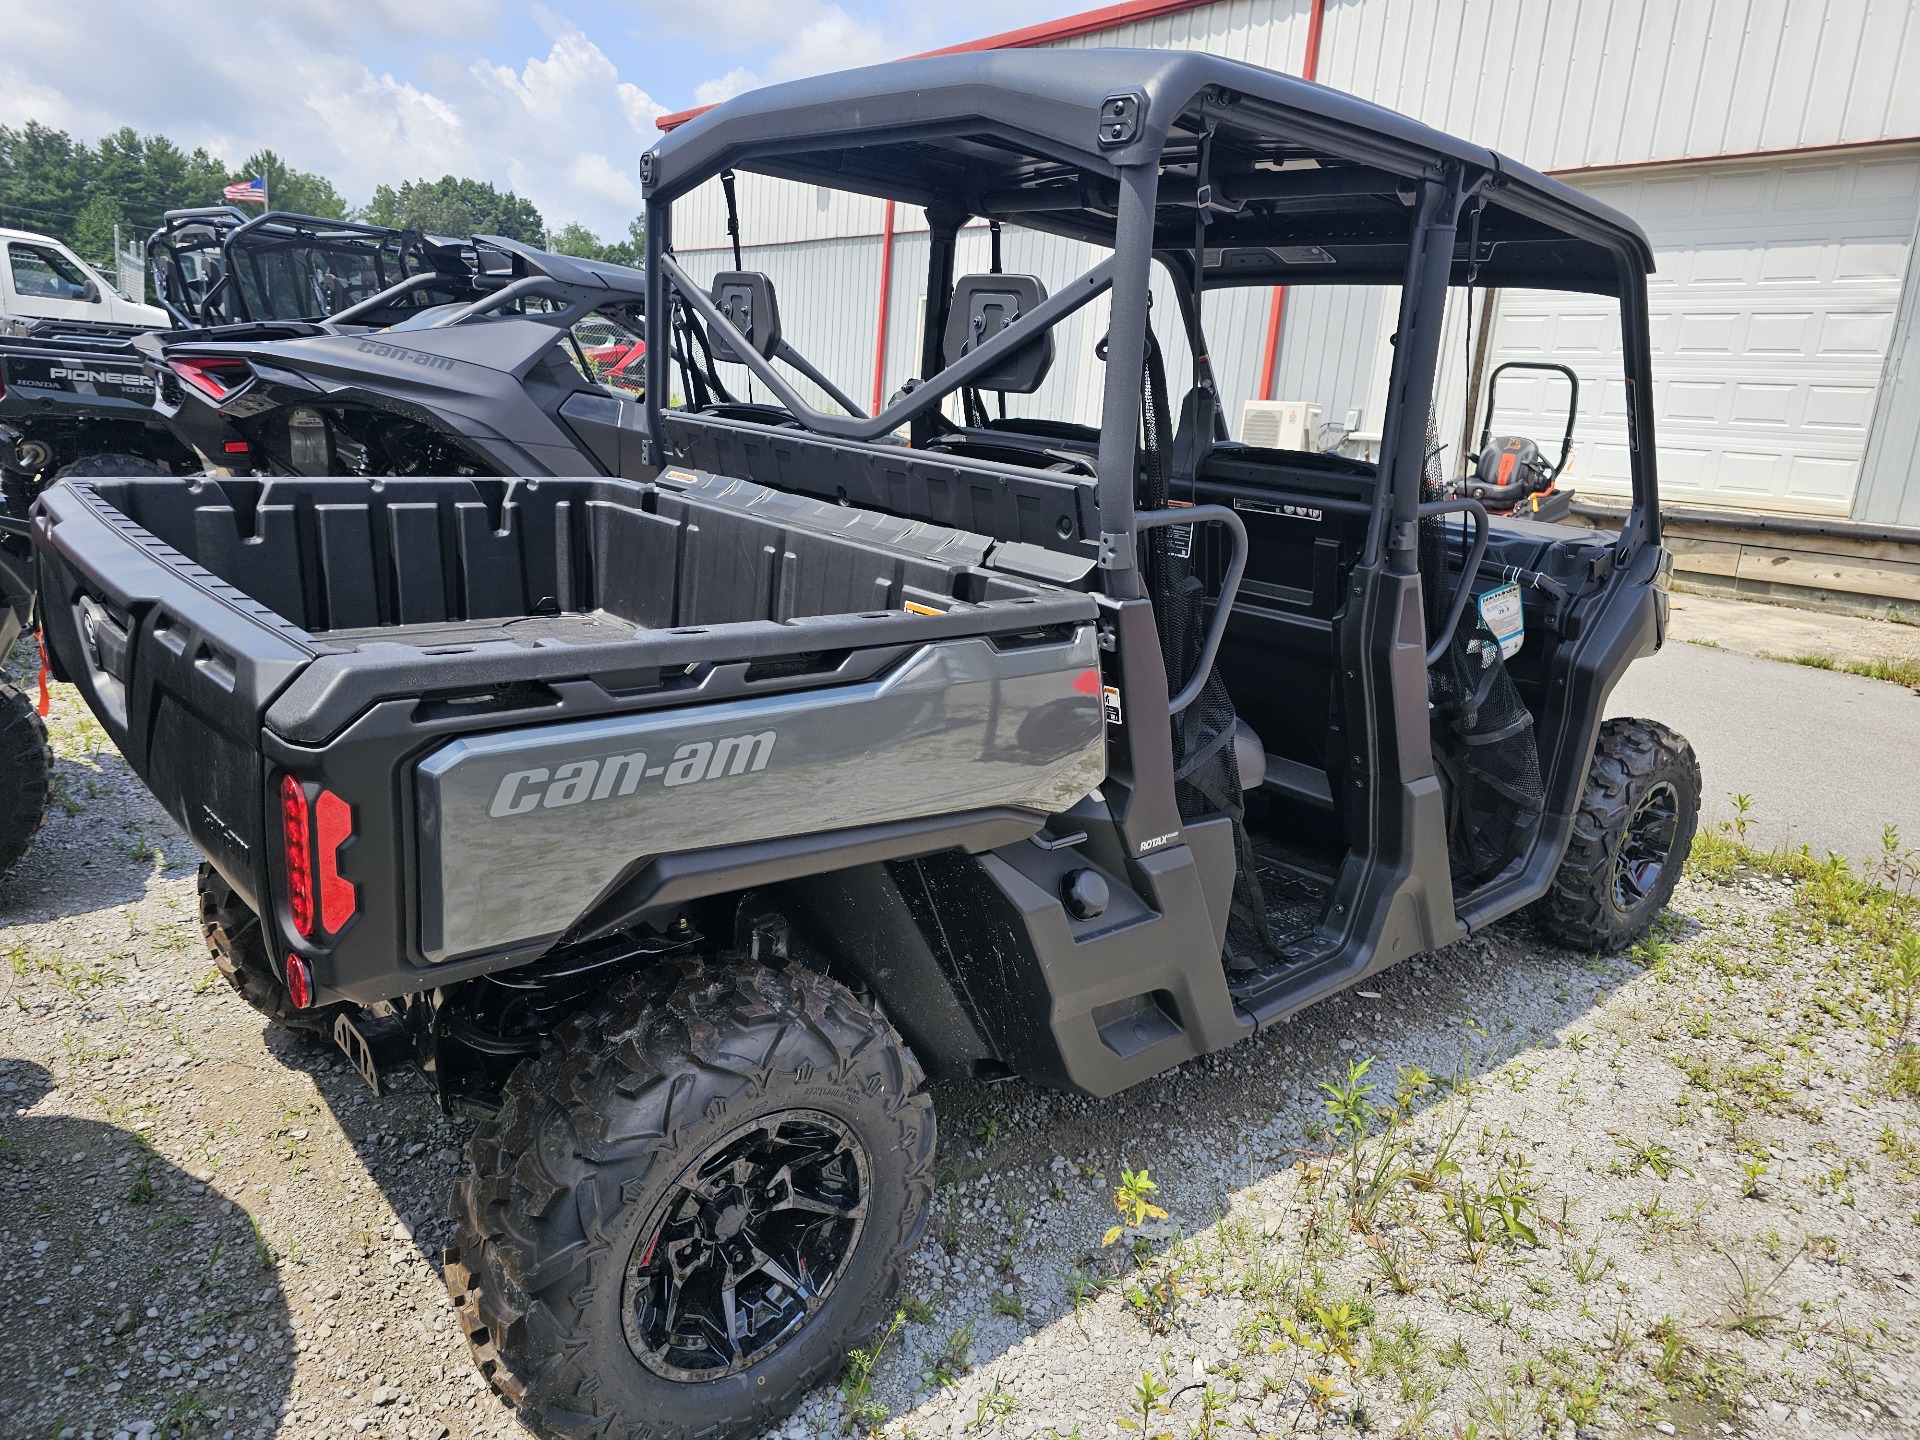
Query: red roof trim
<point x="1048" y="32"/>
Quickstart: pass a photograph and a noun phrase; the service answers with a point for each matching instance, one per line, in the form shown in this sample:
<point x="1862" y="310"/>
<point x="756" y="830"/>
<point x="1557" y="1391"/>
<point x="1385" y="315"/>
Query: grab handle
<point x="1483" y="530"/>
<point x="1229" y="587"/>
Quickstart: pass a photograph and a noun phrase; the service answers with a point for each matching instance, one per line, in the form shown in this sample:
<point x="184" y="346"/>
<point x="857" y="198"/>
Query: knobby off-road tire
<point x="239" y="950"/>
<point x="1630" y="838"/>
<point x="26" y="776"/>
<point x="596" y="1145"/>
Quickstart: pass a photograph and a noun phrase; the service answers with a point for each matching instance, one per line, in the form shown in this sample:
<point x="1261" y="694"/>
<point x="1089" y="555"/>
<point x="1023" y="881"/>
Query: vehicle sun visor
<point x="983" y="306"/>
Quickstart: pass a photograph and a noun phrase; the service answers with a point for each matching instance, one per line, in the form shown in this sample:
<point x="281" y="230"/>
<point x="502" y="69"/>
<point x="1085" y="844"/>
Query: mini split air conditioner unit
<point x="1280" y="424"/>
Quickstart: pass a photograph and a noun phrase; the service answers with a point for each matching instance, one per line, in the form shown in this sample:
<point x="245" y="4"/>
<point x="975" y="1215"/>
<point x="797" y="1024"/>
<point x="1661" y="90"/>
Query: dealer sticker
<point x="1500" y="612"/>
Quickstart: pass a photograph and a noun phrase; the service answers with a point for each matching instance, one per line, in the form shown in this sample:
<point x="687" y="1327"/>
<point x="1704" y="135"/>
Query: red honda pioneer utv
<point x="682" y="826"/>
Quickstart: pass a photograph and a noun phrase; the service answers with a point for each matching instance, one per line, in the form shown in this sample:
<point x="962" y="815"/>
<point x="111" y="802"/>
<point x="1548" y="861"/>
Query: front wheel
<point x="1630" y="838"/>
<point x="692" y="1204"/>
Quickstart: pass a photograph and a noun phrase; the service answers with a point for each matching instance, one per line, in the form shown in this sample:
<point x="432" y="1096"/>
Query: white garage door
<point x="1772" y="310"/>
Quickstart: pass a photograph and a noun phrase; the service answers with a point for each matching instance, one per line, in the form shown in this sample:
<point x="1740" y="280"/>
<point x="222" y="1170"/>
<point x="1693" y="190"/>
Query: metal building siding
<point x="1569" y="85"/>
<point x="1623" y="82"/>
<point x="774" y="211"/>
<point x="1272" y="33"/>
<point x="1327" y="346"/>
<point x="829" y="308"/>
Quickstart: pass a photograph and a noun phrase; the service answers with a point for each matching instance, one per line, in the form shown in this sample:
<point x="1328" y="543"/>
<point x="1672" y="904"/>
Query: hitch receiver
<point x="372" y="1042"/>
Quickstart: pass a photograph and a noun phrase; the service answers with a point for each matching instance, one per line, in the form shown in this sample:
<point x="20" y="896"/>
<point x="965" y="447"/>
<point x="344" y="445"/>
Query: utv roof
<point x="1296" y="167"/>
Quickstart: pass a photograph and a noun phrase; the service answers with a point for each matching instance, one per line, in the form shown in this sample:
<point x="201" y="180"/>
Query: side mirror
<point x="746" y="298"/>
<point x="92" y="293"/>
<point x="983" y="306"/>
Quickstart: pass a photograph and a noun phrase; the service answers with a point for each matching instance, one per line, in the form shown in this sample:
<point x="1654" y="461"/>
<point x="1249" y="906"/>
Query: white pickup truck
<point x="41" y="279"/>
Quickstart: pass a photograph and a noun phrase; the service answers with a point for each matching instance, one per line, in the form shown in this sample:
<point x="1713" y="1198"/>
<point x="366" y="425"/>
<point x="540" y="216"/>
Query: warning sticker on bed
<point x="1500" y="612"/>
<point x="1110" y="703"/>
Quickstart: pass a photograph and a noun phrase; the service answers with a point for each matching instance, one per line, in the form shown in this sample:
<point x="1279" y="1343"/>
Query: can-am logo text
<point x="521" y="792"/>
<point x="399" y="352"/>
<point x="133" y="380"/>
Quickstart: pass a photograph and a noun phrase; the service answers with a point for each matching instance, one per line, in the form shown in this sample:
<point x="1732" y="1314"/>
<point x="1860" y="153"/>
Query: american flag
<point x="254" y="190"/>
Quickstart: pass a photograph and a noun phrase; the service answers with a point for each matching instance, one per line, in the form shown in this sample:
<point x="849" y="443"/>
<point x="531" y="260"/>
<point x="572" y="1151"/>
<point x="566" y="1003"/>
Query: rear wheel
<point x="239" y="950"/>
<point x="1630" y="838"/>
<point x="692" y="1204"/>
<point x="26" y="776"/>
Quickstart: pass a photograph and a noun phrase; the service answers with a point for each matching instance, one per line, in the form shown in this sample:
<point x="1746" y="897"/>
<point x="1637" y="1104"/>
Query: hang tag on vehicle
<point x="1501" y="614"/>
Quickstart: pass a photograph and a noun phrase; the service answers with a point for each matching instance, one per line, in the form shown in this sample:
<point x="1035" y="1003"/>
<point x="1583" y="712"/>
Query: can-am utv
<point x="683" y="826"/>
<point x="215" y="266"/>
<point x="534" y="372"/>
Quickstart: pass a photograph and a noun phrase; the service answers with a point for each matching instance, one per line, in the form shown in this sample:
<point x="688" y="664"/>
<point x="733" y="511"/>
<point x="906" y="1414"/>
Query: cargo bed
<point x="553" y="707"/>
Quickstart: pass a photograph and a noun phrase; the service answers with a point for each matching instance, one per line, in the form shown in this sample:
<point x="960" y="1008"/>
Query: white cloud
<point x="784" y="39"/>
<point x="563" y="129"/>
<point x="736" y="81"/>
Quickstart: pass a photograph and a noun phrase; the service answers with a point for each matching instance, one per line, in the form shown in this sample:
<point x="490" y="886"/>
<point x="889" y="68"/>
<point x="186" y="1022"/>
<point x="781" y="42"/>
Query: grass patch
<point x="1897" y="672"/>
<point x="1872" y="922"/>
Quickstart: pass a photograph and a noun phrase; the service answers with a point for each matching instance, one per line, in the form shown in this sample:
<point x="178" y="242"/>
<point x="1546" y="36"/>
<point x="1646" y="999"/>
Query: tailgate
<point x="102" y="382"/>
<point x="524" y="830"/>
<point x="177" y="664"/>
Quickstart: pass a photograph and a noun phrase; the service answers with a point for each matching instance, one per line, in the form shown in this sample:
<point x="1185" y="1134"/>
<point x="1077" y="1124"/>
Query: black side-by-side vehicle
<point x="682" y="823"/>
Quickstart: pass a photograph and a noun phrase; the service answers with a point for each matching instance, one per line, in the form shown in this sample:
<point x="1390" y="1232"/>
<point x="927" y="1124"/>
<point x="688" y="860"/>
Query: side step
<point x="1291" y="780"/>
<point x="372" y="1042"/>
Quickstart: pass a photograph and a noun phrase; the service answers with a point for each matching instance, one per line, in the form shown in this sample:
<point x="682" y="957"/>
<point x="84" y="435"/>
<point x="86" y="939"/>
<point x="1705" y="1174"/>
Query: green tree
<point x="298" y="191"/>
<point x="172" y="179"/>
<point x="52" y="183"/>
<point x="44" y="178"/>
<point x="92" y="234"/>
<point x="573" y="238"/>
<point x="455" y="206"/>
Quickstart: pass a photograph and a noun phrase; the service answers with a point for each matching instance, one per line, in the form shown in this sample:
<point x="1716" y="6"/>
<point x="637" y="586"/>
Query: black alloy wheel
<point x="694" y="1201"/>
<point x="1630" y="840"/>
<point x="1646" y="847"/>
<point x="746" y="1246"/>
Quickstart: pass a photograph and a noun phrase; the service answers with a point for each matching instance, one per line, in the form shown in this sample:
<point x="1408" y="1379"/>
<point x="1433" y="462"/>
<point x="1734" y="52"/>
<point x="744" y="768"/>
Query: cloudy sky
<point x="554" y="99"/>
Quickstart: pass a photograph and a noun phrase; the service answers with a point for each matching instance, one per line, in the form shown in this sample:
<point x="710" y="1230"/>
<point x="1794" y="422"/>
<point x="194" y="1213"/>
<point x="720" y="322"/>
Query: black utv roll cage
<point x="1240" y="174"/>
<point x="1224" y="175"/>
<point x="213" y="265"/>
<point x="473" y="278"/>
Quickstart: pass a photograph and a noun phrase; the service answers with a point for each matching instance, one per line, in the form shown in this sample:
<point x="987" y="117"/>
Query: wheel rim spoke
<point x="745" y="1246"/>
<point x="1646" y="846"/>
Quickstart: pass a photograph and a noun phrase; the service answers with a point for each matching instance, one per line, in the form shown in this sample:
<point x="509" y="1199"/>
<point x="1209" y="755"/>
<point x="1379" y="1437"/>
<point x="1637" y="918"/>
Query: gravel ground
<point x="214" y="1229"/>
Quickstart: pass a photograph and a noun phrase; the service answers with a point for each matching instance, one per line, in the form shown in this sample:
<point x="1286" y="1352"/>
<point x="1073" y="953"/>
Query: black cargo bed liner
<point x="406" y="587"/>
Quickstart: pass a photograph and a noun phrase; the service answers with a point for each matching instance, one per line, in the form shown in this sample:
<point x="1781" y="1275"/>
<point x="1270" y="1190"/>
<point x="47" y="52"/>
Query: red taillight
<point x="236" y="447"/>
<point x="296" y="824"/>
<point x="338" y="900"/>
<point x="1087" y="682"/>
<point x="215" y="379"/>
<point x="299" y="983"/>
